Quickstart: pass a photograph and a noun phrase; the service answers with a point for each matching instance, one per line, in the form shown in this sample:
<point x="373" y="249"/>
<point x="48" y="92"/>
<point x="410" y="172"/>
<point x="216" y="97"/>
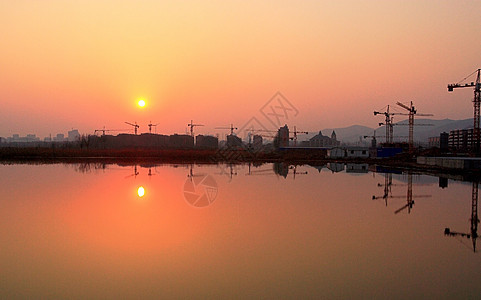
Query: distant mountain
<point x="355" y="133"/>
<point x="349" y="134"/>
<point x="422" y="132"/>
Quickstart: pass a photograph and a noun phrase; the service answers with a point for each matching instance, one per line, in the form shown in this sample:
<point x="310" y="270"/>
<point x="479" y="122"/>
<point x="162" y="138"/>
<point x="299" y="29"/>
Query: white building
<point x="357" y="152"/>
<point x="336" y="152"/>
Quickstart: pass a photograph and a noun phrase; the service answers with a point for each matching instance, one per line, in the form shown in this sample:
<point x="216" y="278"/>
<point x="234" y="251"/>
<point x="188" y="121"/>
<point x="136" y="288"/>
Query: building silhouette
<point x="283" y="136"/>
<point x="321" y="140"/>
<point x="206" y="142"/>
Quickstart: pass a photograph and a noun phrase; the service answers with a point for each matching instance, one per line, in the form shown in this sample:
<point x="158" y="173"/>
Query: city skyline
<point x="86" y="65"/>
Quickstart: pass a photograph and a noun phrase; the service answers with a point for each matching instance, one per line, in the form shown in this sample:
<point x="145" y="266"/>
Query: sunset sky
<point x="85" y="64"/>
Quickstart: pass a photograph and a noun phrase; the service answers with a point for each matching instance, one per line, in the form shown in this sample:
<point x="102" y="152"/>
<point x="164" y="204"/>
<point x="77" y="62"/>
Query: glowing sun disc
<point x="141" y="103"/>
<point x="141" y="191"/>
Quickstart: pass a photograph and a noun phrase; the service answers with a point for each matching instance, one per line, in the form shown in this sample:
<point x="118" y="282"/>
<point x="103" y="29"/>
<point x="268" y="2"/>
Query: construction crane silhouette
<point x="412" y="112"/>
<point x="134" y="125"/>
<point x="152" y="125"/>
<point x="388" y="123"/>
<point x="374" y="136"/>
<point x="108" y="130"/>
<point x="263" y="132"/>
<point x="476" y="103"/>
<point x="231" y="128"/>
<point x="295" y="132"/>
<point x="473" y="235"/>
<point x="192" y="125"/>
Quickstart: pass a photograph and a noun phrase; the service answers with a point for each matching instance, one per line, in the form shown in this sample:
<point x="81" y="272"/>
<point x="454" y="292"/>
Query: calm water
<point x="206" y="231"/>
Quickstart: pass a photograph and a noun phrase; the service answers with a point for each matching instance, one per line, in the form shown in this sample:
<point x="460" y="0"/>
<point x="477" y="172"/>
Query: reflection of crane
<point x="191" y="174"/>
<point x="135" y="173"/>
<point x="476" y="103"/>
<point x="232" y="128"/>
<point x="192" y="125"/>
<point x="387" y="188"/>
<point x="388" y="194"/>
<point x="474" y="219"/>
<point x="412" y="112"/>
<point x="409" y="196"/>
<point x="152" y="125"/>
<point x="294" y="171"/>
<point x="232" y="172"/>
<point x="134" y="125"/>
<point x="295" y="132"/>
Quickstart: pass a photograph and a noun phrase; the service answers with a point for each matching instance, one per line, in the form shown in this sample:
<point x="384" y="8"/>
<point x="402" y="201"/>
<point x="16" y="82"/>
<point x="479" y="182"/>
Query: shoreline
<point x="200" y="156"/>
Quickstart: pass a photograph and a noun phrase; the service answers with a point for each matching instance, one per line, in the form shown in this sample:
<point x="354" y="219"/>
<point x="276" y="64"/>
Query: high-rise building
<point x="283" y="136"/>
<point x="73" y="135"/>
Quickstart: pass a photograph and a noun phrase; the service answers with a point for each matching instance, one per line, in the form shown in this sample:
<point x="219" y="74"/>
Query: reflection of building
<point x="320" y="140"/>
<point x="281" y="169"/>
<point x="206" y="142"/>
<point x="335" y="167"/>
<point x="357" y="168"/>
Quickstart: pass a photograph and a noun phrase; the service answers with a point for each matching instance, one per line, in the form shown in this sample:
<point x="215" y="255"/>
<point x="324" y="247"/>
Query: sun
<point x="141" y="103"/>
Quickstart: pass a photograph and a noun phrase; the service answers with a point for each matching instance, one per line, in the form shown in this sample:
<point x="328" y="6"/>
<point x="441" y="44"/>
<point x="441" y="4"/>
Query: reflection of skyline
<point x="260" y="227"/>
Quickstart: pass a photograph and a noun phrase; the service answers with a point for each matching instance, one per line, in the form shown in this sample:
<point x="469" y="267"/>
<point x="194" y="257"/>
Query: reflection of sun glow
<point x="141" y="191"/>
<point x="141" y="103"/>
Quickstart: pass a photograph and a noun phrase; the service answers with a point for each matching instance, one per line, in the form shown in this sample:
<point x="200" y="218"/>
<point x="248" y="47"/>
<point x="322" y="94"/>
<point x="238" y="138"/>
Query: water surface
<point x="204" y="231"/>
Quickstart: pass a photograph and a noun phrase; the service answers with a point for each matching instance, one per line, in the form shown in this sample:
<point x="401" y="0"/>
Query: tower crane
<point x="134" y="125"/>
<point x="387" y="123"/>
<point x="231" y="128"/>
<point x="192" y="125"/>
<point x="295" y="132"/>
<point x="262" y="132"/>
<point x="412" y="112"/>
<point x="476" y="103"/>
<point x="152" y="125"/>
<point x="108" y="130"/>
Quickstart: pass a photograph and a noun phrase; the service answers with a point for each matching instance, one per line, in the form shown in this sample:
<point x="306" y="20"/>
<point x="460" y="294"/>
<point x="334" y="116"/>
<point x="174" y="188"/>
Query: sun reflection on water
<point x="141" y="191"/>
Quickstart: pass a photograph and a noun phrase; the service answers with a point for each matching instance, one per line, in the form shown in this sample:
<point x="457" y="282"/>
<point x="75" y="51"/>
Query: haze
<point x="86" y="64"/>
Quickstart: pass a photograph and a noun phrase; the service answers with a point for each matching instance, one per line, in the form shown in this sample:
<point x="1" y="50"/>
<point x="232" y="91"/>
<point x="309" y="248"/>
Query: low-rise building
<point x="357" y="152"/>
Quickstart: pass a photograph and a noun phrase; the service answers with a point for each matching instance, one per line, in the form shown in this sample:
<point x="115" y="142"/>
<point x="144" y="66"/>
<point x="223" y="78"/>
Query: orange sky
<point x="84" y="64"/>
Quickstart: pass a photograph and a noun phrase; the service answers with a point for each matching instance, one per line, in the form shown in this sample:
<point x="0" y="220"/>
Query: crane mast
<point x="192" y="125"/>
<point x="412" y="111"/>
<point x="388" y="124"/>
<point x="476" y="104"/>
